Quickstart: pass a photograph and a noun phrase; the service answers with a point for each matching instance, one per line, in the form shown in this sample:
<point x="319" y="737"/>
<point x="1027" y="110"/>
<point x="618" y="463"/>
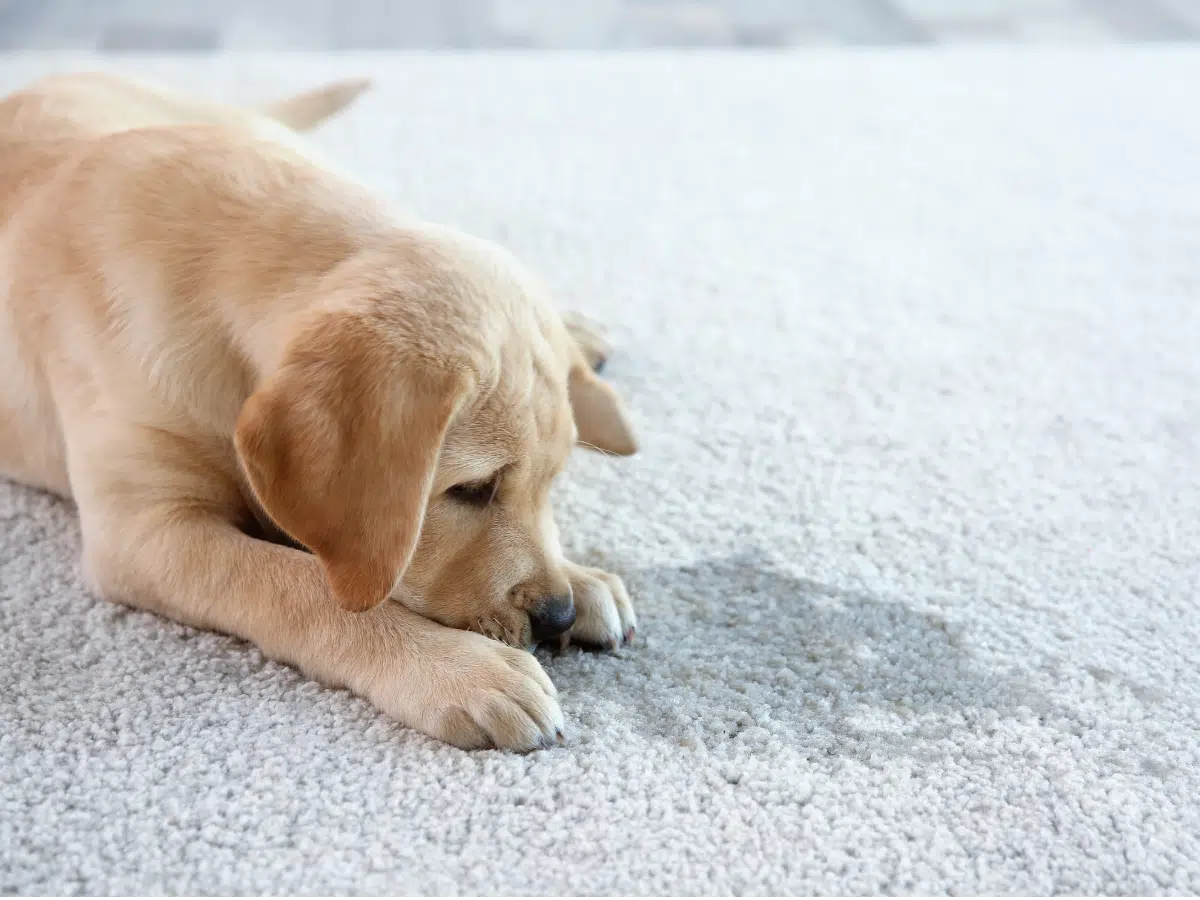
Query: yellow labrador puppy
<point x="285" y="413"/>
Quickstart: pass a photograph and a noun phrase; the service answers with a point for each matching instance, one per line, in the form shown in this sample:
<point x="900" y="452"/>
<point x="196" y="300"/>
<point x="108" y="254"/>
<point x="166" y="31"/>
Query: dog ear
<point x="340" y="447"/>
<point x="599" y="413"/>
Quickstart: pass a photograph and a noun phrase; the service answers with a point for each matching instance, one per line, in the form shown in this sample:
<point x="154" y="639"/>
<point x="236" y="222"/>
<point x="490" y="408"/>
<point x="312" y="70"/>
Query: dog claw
<point x="630" y="633"/>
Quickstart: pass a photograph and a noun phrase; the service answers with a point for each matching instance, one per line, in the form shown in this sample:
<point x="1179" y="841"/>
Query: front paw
<point x="473" y="692"/>
<point x="604" y="616"/>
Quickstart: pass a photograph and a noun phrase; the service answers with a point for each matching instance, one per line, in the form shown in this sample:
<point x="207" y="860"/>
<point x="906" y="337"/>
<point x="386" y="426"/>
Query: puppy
<point x="287" y="414"/>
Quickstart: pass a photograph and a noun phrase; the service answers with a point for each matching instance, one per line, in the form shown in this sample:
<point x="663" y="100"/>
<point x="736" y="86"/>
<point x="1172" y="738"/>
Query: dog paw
<point x="589" y="336"/>
<point x="474" y="692"/>
<point x="604" y="616"/>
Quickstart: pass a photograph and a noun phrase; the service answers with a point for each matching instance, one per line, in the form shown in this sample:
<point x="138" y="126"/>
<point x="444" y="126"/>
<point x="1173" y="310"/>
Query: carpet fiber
<point x="912" y="343"/>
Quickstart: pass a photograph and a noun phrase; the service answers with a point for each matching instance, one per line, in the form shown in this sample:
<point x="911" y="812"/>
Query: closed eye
<point x="476" y="493"/>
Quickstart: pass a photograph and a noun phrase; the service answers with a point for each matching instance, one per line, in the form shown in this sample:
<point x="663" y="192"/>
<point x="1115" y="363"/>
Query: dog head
<point x="410" y="433"/>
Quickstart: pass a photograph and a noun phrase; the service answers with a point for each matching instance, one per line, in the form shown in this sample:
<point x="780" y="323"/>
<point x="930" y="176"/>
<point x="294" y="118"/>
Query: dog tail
<point x="304" y="111"/>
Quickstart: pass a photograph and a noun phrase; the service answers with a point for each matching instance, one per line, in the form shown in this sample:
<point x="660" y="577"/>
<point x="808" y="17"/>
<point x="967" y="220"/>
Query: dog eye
<point x="476" y="493"/>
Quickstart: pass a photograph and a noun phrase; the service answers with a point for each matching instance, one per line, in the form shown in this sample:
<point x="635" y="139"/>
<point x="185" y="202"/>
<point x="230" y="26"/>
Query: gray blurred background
<point x="203" y="26"/>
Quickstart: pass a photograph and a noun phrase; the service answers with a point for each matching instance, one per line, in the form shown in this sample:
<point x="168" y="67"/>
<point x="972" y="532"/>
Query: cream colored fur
<point x="285" y="414"/>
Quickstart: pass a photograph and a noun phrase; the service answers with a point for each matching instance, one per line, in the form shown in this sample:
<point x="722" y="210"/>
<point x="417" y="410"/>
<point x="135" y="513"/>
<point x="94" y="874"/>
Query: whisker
<point x="503" y="631"/>
<point x="599" y="450"/>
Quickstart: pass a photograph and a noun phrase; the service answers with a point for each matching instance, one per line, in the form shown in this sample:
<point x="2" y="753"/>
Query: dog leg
<point x="589" y="337"/>
<point x="154" y="537"/>
<point x="604" y="616"/>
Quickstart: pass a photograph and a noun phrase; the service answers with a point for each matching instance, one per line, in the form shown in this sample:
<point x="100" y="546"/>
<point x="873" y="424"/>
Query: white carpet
<point x="912" y="341"/>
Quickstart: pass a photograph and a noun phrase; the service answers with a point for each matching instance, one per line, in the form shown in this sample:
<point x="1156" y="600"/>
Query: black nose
<point x="552" y="616"/>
